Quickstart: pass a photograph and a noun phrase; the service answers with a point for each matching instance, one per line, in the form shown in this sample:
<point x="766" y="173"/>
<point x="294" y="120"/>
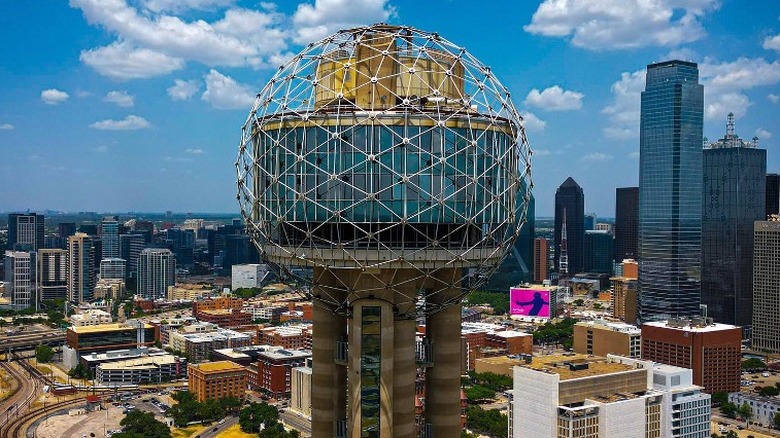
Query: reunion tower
<point x="386" y="171"/>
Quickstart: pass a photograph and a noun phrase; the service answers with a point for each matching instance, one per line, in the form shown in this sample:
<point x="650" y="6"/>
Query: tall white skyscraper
<point x="20" y="285"/>
<point x="156" y="271"/>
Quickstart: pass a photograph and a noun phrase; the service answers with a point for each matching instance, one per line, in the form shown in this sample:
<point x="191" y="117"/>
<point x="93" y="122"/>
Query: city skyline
<point x="137" y="120"/>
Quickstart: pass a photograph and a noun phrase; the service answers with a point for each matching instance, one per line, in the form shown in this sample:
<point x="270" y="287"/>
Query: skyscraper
<point x="670" y="190"/>
<point x="540" y="259"/>
<point x="109" y="235"/>
<point x="156" y="271"/>
<point x="598" y="250"/>
<point x="25" y="231"/>
<point x="20" y="285"/>
<point x="53" y="274"/>
<point x="130" y="247"/>
<point x="81" y="268"/>
<point x="772" y="194"/>
<point x="570" y="199"/>
<point x="766" y="278"/>
<point x="626" y="223"/>
<point x="734" y="198"/>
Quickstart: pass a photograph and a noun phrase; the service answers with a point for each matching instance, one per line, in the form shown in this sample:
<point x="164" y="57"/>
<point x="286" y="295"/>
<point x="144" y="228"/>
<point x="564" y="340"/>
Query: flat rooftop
<point x="614" y="326"/>
<point x="216" y="367"/>
<point x="150" y="362"/>
<point x="115" y="327"/>
<point x="558" y="364"/>
<point x="712" y="327"/>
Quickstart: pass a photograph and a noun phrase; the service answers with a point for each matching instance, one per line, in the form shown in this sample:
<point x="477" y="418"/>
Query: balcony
<point x="342" y="352"/>
<point x="424" y="353"/>
<point x="341" y="428"/>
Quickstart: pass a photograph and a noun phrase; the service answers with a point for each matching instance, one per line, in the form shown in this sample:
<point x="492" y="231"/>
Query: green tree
<point x="138" y="424"/>
<point x="479" y="392"/>
<point x="210" y="410"/>
<point x="44" y="353"/>
<point x="753" y="364"/>
<point x="745" y="411"/>
<point x="496" y="382"/>
<point x="491" y="422"/>
<point x="769" y="391"/>
<point x="777" y="420"/>
<point x="254" y="414"/>
<point x="230" y="403"/>
<point x="719" y="398"/>
<point x="729" y="409"/>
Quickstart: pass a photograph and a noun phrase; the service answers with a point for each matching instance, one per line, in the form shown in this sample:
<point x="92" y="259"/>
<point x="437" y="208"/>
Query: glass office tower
<point x="670" y="190"/>
<point x="734" y="198"/>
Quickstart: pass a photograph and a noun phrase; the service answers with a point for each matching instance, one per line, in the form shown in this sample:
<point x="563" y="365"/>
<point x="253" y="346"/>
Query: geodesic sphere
<point x="384" y="147"/>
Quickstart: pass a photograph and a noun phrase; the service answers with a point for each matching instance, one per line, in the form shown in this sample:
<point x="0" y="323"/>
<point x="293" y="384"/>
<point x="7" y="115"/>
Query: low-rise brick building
<point x="215" y="380"/>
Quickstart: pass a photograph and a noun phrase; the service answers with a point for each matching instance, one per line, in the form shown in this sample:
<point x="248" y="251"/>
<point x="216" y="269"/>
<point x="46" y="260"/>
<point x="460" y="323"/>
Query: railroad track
<point x="18" y="426"/>
<point x="26" y="392"/>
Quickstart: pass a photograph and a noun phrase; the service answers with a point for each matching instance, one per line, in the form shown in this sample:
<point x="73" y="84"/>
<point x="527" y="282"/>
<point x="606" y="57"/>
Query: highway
<point x="31" y="340"/>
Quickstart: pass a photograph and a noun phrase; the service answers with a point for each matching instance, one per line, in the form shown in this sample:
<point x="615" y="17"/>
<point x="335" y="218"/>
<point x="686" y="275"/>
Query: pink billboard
<point x="529" y="302"/>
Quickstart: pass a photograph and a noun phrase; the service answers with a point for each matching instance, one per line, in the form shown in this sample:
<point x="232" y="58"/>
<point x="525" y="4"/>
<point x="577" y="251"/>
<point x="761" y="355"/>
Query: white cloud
<point x="313" y="22"/>
<point x="763" y="134"/>
<point x="120" y="98"/>
<point x="683" y="54"/>
<point x="532" y="123"/>
<point x="7" y="127"/>
<point x="120" y="60"/>
<point x="774" y="98"/>
<point x="194" y="151"/>
<point x="184" y="5"/>
<point x="624" y="111"/>
<point x="542" y="152"/>
<point x="596" y="157"/>
<point x="772" y="43"/>
<point x="53" y="96"/>
<point x="242" y="37"/>
<point x="183" y="90"/>
<point x="130" y="122"/>
<point x="555" y="98"/>
<point x="621" y="24"/>
<point x="634" y="155"/>
<point x="726" y="82"/>
<point x="223" y="92"/>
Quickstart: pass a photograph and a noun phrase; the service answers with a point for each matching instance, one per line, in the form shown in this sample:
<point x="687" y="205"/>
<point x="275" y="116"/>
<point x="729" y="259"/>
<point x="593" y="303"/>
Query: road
<point x="297" y="422"/>
<point x="209" y="432"/>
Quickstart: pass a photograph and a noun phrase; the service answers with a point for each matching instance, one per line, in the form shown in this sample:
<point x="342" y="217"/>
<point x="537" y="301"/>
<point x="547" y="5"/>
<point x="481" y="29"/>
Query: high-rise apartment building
<point x="25" y="231"/>
<point x="81" y="268"/>
<point x="733" y="199"/>
<point x="626" y="223"/>
<point x="156" y="271"/>
<point x="53" y="274"/>
<point x="766" y="286"/>
<point x="569" y="199"/>
<point x="109" y="236"/>
<point x="670" y="182"/>
<point x="130" y="247"/>
<point x="713" y="351"/>
<point x="20" y="279"/>
<point x="540" y="259"/>
<point x="113" y="268"/>
<point x="772" y="195"/>
<point x="65" y="230"/>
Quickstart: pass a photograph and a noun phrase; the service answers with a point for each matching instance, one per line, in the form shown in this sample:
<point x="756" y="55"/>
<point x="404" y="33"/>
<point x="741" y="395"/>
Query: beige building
<point x="90" y="317"/>
<point x="577" y="396"/>
<point x="498" y="365"/>
<point x="602" y="338"/>
<point x="624" y="299"/>
<point x="300" y="395"/>
<point x="766" y="285"/>
<point x="109" y="289"/>
<point x="189" y="292"/>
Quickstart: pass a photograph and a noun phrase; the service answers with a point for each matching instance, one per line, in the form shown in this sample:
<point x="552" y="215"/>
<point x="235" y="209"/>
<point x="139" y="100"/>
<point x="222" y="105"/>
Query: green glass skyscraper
<point x="670" y="190"/>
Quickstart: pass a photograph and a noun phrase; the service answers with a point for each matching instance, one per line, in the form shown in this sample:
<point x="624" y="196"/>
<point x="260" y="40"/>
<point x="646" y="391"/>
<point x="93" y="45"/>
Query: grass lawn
<point x="186" y="432"/>
<point x="234" y="431"/>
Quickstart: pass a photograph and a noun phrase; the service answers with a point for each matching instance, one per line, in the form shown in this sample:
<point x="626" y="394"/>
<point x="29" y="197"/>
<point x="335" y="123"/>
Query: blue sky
<point x="137" y="105"/>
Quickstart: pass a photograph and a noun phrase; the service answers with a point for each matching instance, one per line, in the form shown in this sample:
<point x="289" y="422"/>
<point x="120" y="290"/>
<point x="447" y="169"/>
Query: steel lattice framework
<point x="385" y="149"/>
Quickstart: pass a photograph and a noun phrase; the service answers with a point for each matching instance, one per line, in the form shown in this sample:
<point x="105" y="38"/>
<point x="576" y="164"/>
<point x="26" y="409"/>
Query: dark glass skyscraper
<point x="626" y="223"/>
<point x="597" y="253"/>
<point x="25" y="231"/>
<point x="670" y="189"/>
<point x="569" y="197"/>
<point x="772" y="194"/>
<point x="734" y="198"/>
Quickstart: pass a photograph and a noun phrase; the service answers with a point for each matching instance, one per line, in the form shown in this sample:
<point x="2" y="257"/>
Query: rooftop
<point x="115" y="327"/>
<point x="581" y="366"/>
<point x="216" y="367"/>
<point x="691" y="325"/>
<point x="148" y="362"/>
<point x="614" y="326"/>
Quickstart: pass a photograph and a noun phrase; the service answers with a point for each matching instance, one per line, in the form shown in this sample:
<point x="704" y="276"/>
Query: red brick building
<point x="712" y="351"/>
<point x="274" y="369"/>
<point x="290" y="337"/>
<point x="224" y="311"/>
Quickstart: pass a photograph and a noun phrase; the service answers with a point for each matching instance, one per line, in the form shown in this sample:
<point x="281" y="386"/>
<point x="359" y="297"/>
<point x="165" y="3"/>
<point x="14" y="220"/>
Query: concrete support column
<point x="329" y="386"/>
<point x="442" y="380"/>
<point x="404" y="381"/>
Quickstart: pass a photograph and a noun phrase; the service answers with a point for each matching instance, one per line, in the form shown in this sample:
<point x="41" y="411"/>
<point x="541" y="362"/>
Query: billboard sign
<point x="529" y="303"/>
